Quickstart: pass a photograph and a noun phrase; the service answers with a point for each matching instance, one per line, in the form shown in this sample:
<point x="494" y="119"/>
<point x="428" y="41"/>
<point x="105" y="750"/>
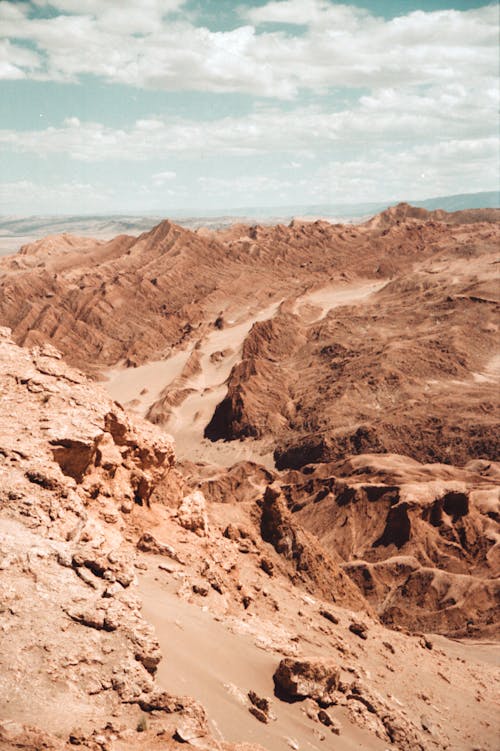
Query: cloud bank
<point x="359" y="107"/>
<point x="150" y="44"/>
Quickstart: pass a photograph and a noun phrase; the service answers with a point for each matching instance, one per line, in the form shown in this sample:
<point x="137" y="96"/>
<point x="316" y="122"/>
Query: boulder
<point x="192" y="513"/>
<point x="295" y="680"/>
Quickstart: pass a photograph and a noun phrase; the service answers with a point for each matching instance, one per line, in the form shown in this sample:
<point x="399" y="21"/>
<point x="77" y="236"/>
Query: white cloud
<point x="307" y="13"/>
<point x="385" y="117"/>
<point x="62" y="197"/>
<point x="119" y="16"/>
<point x="16" y="62"/>
<point x="71" y="122"/>
<point x="137" y="43"/>
<point x="250" y="186"/>
<point x="161" y="178"/>
<point x="427" y="118"/>
<point x="403" y="174"/>
<point x="416" y="172"/>
<point x="379" y="175"/>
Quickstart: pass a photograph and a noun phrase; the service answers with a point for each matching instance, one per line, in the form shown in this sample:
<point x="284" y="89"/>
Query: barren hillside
<point x="274" y="523"/>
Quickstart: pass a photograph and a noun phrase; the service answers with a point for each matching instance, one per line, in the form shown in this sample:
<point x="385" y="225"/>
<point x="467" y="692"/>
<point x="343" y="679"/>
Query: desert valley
<point x="250" y="489"/>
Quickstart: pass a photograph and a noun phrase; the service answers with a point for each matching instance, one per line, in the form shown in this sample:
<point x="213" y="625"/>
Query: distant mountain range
<point x="484" y="200"/>
<point x="17" y="230"/>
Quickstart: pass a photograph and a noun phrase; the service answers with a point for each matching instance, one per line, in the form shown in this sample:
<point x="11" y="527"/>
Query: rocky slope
<point x="421" y="541"/>
<point x="102" y="539"/>
<point x="78" y="658"/>
<point x="412" y="369"/>
<point x="333" y="393"/>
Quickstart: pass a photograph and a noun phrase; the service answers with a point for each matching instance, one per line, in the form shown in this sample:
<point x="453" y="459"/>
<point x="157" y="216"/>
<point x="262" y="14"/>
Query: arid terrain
<point x="250" y="487"/>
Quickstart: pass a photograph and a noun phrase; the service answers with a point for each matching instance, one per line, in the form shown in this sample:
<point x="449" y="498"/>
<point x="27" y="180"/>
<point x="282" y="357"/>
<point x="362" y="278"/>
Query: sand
<point x="188" y="421"/>
<point x="208" y="387"/>
<point x="142" y="385"/>
<point x="315" y="304"/>
<point x="208" y="660"/>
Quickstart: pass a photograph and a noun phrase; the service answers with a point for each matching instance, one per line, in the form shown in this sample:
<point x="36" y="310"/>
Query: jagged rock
<point x="74" y="455"/>
<point x="371" y="710"/>
<point x="132" y="682"/>
<point x="261" y="702"/>
<point x="329" y="722"/>
<point x="161" y="701"/>
<point x="213" y="578"/>
<point x="199" y="589"/>
<point x="14" y="735"/>
<point x="113" y="590"/>
<point x="116" y="566"/>
<point x="267" y="566"/>
<point x="93" y="618"/>
<point x="193" y="728"/>
<point x="146" y="648"/>
<point x="259" y="714"/>
<point x="232" y="532"/>
<point x="260" y="707"/>
<point x="86" y="576"/>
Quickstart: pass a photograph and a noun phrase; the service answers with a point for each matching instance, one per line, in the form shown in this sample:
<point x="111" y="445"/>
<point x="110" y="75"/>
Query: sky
<point x="135" y="106"/>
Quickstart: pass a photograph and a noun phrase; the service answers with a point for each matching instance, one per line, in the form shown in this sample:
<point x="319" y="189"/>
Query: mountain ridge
<point x="284" y="483"/>
<point x="106" y="226"/>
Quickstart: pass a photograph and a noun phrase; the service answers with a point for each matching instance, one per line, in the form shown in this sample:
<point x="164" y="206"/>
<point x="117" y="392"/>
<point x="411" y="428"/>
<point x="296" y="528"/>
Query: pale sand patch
<point x="473" y="650"/>
<point x="490" y="373"/>
<point x="203" y="658"/>
<point x="126" y="384"/>
<point x="189" y="420"/>
<point x="332" y="296"/>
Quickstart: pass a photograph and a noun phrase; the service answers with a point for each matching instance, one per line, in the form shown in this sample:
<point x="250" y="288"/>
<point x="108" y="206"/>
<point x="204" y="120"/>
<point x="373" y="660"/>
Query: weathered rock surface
<point x="420" y="541"/>
<point x="192" y="513"/>
<point x="240" y="570"/>
<point x="75" y="648"/>
<point x="309" y="564"/>
<point x="410" y="370"/>
<point x="296" y="680"/>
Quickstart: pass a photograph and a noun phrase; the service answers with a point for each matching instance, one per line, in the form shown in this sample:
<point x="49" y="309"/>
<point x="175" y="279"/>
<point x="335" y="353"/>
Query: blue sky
<point x="165" y="105"/>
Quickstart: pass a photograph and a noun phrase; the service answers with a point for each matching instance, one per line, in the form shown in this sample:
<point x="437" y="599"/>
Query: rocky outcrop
<point x="404" y="212"/>
<point x="308" y="563"/>
<point x="73" y="469"/>
<point x="331" y="375"/>
<point x="300" y="680"/>
<point x="440" y="601"/>
<point x="420" y="541"/>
